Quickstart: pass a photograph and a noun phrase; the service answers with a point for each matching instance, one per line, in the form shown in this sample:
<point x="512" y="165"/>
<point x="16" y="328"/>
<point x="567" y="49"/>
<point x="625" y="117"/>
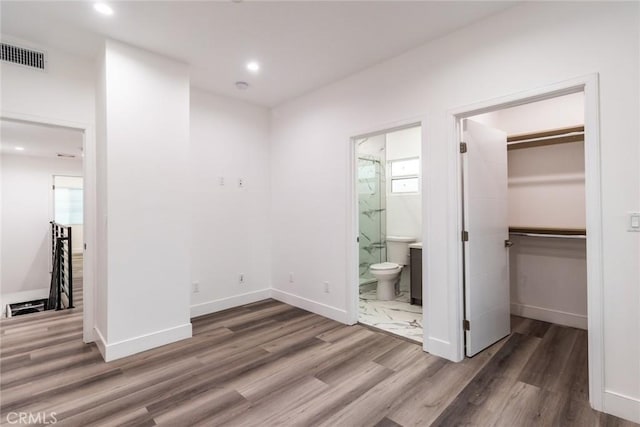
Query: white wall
<point x="525" y="47"/>
<point x="229" y="224"/>
<point x="547" y="186"/>
<point x="146" y="139"/>
<point x="548" y="279"/>
<point x="65" y="91"/>
<point x="404" y="210"/>
<point x="27" y="208"/>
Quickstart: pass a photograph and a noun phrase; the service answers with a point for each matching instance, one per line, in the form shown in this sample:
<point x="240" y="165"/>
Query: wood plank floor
<point x="270" y="364"/>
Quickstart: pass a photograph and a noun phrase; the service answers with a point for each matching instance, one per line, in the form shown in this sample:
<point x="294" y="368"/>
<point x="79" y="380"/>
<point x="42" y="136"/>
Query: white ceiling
<point x="300" y="45"/>
<point x="39" y="140"/>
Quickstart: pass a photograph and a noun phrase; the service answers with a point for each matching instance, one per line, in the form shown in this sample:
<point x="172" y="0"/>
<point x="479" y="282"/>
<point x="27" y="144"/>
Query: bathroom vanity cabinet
<point x="415" y="254"/>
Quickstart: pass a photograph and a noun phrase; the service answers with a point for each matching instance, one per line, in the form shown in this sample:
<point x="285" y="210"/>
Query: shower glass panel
<point x="371" y="204"/>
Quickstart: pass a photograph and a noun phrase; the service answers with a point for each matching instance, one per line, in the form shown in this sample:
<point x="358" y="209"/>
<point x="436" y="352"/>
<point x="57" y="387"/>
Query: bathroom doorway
<point x="388" y="177"/>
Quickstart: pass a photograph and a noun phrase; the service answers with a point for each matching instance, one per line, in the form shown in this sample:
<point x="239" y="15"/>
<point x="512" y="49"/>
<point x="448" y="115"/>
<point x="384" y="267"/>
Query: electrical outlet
<point x="241" y="182"/>
<point x="221" y="180"/>
<point x="241" y="278"/>
<point x="291" y="277"/>
<point x="326" y="287"/>
<point x="195" y="286"/>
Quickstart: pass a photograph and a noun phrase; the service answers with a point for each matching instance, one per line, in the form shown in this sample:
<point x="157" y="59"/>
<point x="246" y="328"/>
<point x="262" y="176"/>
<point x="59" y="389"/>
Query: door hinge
<point x="463" y="147"/>
<point x="466" y="325"/>
<point x="465" y="236"/>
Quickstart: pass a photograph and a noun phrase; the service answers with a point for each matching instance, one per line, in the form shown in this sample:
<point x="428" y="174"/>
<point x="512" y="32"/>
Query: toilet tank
<point x="398" y="249"/>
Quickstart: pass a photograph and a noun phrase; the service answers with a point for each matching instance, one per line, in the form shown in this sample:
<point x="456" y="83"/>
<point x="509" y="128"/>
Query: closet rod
<point x="550" y="137"/>
<point x="548" y="230"/>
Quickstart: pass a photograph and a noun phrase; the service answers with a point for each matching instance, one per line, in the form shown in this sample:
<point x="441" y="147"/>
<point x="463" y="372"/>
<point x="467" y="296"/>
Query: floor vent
<point x="21" y="56"/>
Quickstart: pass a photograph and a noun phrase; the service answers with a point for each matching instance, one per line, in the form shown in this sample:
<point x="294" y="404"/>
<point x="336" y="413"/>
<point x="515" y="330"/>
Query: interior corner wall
<point x="101" y="326"/>
<point x="229" y="223"/>
<point x="145" y="136"/>
<point x="527" y="46"/>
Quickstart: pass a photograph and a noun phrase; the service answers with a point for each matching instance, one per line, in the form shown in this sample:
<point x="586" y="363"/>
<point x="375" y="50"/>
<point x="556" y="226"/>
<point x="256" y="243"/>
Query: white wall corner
<point x="101" y="342"/>
<point x="229" y="302"/>
<point x="622" y="406"/>
<point x="312" y="306"/>
<point x="124" y="348"/>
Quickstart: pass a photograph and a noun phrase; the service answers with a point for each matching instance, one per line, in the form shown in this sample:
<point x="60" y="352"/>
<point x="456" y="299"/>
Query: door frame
<point x="589" y="85"/>
<point x="89" y="209"/>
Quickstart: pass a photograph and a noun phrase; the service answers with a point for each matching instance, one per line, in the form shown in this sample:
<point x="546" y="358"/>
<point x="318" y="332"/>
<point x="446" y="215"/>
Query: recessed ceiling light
<point x="253" y="66"/>
<point x="103" y="8"/>
<point x="20" y="148"/>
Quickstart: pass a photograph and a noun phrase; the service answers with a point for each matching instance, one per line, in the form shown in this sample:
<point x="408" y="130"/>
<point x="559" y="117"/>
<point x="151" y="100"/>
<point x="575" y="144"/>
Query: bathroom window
<point x="405" y="175"/>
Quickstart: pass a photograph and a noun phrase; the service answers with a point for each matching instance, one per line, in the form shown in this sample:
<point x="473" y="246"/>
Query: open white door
<point x="486" y="272"/>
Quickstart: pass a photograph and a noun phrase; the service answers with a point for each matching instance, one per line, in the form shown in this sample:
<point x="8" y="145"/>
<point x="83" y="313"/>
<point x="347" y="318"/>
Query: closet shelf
<point x="566" y="233"/>
<point x="550" y="137"/>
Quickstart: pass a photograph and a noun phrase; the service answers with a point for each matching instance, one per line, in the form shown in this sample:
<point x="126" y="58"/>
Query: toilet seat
<point x="384" y="266"/>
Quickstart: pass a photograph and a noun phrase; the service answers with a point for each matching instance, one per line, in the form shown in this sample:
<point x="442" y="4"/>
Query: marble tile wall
<point x="372" y="213"/>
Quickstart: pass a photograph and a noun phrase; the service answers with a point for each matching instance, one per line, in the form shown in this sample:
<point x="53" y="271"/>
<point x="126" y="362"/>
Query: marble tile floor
<point x="398" y="317"/>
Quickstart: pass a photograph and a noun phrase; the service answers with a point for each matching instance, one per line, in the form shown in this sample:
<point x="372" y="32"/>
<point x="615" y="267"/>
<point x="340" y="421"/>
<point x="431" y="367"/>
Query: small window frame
<point x="403" y="176"/>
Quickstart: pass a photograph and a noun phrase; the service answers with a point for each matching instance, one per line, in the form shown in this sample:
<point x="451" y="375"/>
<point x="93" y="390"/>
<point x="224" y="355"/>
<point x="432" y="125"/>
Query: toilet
<point x="388" y="273"/>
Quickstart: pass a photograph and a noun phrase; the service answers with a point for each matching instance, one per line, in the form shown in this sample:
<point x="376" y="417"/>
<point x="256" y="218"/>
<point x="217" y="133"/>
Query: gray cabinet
<point x="416" y="275"/>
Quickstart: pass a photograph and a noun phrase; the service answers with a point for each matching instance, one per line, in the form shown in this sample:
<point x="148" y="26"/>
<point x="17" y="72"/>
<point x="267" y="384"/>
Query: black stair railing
<point x="61" y="290"/>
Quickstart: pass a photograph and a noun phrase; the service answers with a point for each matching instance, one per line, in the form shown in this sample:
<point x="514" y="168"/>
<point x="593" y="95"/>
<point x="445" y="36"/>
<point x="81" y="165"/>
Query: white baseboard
<point x="622" y="406"/>
<point x="312" y="306"/>
<point x="124" y="348"/>
<point x="549" y="315"/>
<point x="229" y="302"/>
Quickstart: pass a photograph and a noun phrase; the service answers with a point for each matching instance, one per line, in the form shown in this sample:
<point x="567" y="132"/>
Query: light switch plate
<point x="634" y="221"/>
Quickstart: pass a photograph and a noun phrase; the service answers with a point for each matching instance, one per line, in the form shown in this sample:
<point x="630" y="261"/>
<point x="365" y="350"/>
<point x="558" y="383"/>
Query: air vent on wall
<point x="21" y="56"/>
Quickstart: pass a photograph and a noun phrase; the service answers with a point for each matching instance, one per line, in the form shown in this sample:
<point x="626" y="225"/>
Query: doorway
<point x="523" y="169"/>
<point x="42" y="153"/>
<point x="588" y="86"/>
<point x="388" y="181"/>
<point x="42" y="188"/>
